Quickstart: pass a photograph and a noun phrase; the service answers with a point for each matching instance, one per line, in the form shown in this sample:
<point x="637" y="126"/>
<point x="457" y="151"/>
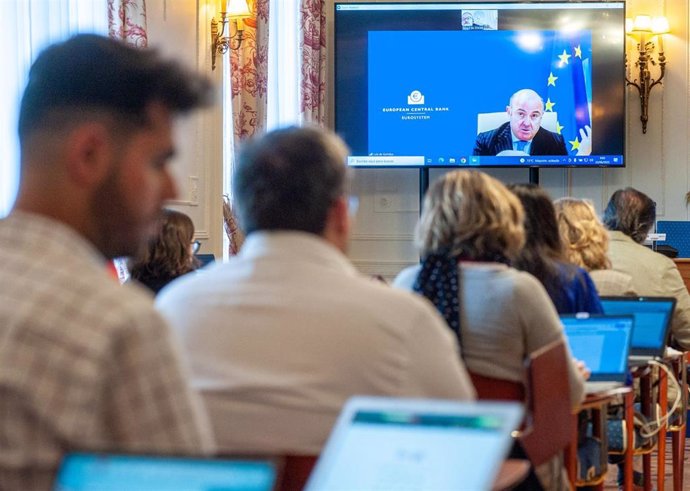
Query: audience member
<point x="287" y="330"/>
<point x="630" y="215"/>
<point x="569" y="286"/>
<point x="84" y="363"/>
<point x="470" y="230"/>
<point x="169" y="255"/>
<point x="586" y="244"/>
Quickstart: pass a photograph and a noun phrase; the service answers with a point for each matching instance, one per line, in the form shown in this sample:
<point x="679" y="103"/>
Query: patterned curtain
<point x="127" y="21"/>
<point x="313" y="51"/>
<point x="249" y="74"/>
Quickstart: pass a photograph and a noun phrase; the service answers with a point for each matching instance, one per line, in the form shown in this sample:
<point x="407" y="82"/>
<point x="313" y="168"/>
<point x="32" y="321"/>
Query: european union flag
<point x="569" y="87"/>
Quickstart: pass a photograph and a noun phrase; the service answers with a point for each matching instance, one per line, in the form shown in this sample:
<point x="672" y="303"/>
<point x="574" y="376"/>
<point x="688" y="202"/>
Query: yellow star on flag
<point x="564" y="58"/>
<point x="559" y="127"/>
<point x="548" y="105"/>
<point x="552" y="80"/>
<point x="575" y="144"/>
<point x="578" y="51"/>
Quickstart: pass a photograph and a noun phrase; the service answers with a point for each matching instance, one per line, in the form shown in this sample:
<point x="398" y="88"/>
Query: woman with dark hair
<point x="570" y="287"/>
<point x="169" y="255"/>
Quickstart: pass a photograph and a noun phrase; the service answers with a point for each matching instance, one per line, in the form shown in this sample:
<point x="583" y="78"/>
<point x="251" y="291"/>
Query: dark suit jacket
<point x="494" y="141"/>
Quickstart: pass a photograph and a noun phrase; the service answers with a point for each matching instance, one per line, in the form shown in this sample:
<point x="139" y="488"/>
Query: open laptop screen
<point x="602" y="342"/>
<point x="415" y="445"/>
<point x="652" y="320"/>
<point x="106" y="472"/>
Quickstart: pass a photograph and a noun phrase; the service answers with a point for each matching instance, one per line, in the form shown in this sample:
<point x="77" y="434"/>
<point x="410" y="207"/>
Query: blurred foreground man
<point x="284" y="333"/>
<point x="84" y="363"/>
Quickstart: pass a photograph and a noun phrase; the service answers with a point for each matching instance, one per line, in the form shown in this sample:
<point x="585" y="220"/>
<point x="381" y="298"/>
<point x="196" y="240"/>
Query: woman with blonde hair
<point x="470" y="231"/>
<point x="586" y="245"/>
<point x="168" y="255"/>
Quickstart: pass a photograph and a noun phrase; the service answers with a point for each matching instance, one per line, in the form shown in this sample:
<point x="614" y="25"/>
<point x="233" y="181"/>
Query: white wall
<point x="180" y="29"/>
<point x="382" y="240"/>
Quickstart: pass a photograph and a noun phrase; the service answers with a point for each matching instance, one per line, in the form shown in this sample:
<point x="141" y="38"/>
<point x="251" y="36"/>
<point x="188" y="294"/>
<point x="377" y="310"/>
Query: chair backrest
<point x="489" y="121"/>
<point x="296" y="471"/>
<point x="495" y="389"/>
<point x="551" y="421"/>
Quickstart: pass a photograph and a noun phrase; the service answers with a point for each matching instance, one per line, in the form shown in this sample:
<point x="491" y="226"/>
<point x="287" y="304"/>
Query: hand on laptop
<point x="582" y="368"/>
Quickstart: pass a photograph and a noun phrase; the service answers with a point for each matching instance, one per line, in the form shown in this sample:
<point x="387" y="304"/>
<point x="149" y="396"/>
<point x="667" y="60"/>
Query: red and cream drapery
<point x="127" y="21"/>
<point x="249" y="68"/>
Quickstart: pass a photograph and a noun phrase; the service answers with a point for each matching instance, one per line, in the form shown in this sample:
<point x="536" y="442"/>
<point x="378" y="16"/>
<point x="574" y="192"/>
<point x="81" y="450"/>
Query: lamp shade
<point x="642" y="23"/>
<point x="660" y="25"/>
<point x="628" y="25"/>
<point x="238" y="8"/>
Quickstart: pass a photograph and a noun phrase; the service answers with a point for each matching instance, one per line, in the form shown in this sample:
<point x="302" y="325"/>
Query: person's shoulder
<point x="492" y="133"/>
<point x="550" y="135"/>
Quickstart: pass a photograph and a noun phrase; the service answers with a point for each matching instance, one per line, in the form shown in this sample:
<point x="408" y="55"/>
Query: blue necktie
<point x="520" y="145"/>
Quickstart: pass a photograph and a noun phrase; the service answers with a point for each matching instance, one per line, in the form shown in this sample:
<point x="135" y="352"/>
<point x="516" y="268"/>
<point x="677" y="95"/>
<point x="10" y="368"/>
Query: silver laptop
<point x="416" y="444"/>
<point x="110" y="472"/>
<point x="653" y="317"/>
<point x="603" y="343"/>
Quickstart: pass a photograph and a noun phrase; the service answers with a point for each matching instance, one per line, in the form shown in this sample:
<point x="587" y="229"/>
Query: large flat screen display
<point x="481" y="84"/>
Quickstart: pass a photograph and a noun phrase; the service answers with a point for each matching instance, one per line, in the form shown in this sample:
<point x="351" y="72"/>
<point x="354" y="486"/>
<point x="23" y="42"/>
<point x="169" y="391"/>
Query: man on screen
<point x="523" y="132"/>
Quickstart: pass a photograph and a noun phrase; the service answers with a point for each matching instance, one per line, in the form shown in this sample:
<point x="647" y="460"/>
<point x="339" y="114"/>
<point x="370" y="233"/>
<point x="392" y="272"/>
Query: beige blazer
<point x="653" y="274"/>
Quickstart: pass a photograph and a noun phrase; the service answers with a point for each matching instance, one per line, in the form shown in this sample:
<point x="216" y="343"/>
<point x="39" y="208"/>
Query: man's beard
<point x="120" y="231"/>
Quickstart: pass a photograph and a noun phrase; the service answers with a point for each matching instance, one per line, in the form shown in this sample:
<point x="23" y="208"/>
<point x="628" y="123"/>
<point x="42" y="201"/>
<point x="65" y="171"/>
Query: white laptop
<point x="603" y="343"/>
<point x="110" y="472"/>
<point x="416" y="444"/>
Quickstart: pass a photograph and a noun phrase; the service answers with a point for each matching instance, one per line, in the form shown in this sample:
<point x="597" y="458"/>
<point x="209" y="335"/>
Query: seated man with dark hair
<point x="287" y="330"/>
<point x="630" y="215"/>
<point x="86" y="364"/>
<point x="523" y="132"/>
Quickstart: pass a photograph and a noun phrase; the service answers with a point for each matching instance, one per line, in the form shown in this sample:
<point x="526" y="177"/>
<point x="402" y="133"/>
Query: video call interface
<point x="651" y="319"/>
<point x="596" y="340"/>
<point x="423" y="84"/>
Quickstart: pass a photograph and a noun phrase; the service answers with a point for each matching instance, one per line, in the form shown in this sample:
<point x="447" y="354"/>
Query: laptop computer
<point x="110" y="472"/>
<point x="653" y="317"/>
<point x="603" y="343"/>
<point x="415" y="444"/>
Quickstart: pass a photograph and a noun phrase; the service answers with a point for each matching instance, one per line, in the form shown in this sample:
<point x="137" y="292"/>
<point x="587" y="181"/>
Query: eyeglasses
<point x="196" y="245"/>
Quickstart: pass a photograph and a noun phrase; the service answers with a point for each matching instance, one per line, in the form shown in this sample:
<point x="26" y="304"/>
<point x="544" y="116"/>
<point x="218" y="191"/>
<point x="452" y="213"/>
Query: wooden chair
<point x="296" y="471"/>
<point x="550" y="416"/>
<point x="549" y="421"/>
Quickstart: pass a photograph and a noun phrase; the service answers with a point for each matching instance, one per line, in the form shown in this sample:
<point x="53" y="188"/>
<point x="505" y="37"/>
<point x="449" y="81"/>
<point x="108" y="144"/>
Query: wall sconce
<point x="646" y="28"/>
<point x="232" y="13"/>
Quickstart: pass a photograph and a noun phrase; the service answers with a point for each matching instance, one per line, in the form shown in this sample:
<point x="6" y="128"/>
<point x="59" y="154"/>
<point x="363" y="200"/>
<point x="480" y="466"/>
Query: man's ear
<point x="88" y="154"/>
<point x="508" y="110"/>
<point x="338" y="224"/>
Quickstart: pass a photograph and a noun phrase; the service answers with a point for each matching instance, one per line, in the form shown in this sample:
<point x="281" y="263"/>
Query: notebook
<point x="652" y="323"/>
<point x="415" y="444"/>
<point x="110" y="472"/>
<point x="603" y="343"/>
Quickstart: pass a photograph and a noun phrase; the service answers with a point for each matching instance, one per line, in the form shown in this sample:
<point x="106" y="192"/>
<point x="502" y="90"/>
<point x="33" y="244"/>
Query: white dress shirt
<point x="282" y="335"/>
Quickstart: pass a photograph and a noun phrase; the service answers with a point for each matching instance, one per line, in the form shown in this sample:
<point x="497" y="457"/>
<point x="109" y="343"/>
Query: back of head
<point x="543" y="248"/>
<point x="288" y="179"/>
<point x="584" y="237"/>
<point x="90" y="74"/>
<point x="169" y="254"/>
<point x="632" y="212"/>
<point x="472" y="215"/>
<point x="540" y="218"/>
